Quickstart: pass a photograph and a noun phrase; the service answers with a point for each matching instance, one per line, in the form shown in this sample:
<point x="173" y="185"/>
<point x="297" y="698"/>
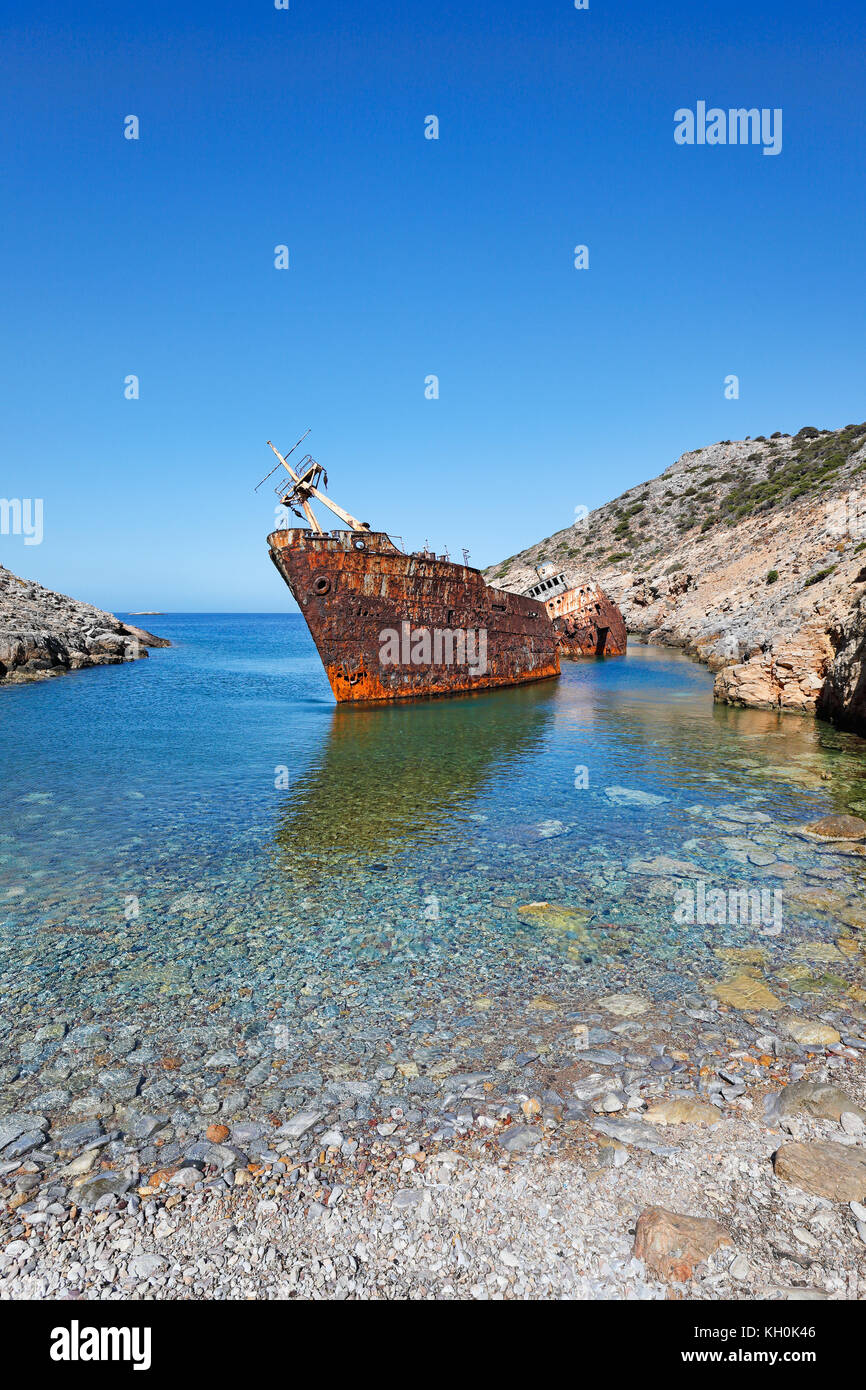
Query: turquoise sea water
<point x="205" y="836"/>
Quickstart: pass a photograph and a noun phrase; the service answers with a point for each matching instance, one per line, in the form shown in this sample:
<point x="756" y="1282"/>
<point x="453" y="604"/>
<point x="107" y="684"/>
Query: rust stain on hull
<point x="584" y="620"/>
<point x="352" y="586"/>
<point x="588" y="623"/>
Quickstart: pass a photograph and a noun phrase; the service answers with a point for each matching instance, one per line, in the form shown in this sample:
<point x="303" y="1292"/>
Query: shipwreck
<point x="395" y="625"/>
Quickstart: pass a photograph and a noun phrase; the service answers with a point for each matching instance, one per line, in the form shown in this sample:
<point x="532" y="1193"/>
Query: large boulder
<point x="824" y="1169"/>
<point x="673" y="1245"/>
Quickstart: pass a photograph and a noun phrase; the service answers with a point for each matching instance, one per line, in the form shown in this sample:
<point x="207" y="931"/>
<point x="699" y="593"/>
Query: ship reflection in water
<point x="553" y="791"/>
<point x="390" y="778"/>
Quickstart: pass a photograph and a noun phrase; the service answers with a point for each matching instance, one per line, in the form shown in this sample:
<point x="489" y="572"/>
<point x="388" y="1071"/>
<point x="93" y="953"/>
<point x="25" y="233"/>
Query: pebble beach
<point x="447" y="1027"/>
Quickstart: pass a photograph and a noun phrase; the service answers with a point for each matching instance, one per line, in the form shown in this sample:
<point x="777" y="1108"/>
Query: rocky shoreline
<point x="750" y="556"/>
<point x="45" y="634"/>
<point x="693" y="1151"/>
<point x="203" y="1102"/>
<point x="707" y="1142"/>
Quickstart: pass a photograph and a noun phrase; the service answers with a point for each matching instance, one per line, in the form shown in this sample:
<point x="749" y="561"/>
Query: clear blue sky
<point x="409" y="257"/>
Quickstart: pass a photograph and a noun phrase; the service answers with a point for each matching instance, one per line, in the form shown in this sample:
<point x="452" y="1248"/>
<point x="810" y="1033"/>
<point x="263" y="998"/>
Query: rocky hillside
<point x="751" y="555"/>
<point x="44" y="634"/>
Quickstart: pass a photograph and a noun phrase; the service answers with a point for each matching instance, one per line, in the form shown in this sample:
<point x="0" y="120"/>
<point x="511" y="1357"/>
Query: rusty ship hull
<point x="585" y="621"/>
<point x="588" y="623"/>
<point x="354" y="586"/>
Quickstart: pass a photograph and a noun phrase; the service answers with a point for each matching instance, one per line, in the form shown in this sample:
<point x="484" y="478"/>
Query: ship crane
<point x="305" y="484"/>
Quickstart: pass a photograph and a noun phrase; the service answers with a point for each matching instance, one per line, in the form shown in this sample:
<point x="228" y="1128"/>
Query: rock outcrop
<point x="843" y="696"/>
<point x="751" y="556"/>
<point x="44" y="634"/>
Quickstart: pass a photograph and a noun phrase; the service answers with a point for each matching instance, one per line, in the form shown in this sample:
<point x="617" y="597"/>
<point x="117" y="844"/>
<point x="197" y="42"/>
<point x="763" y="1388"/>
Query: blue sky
<point x="408" y="257"/>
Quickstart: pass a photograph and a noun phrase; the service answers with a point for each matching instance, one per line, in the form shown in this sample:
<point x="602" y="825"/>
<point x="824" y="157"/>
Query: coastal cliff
<point x="44" y="634"/>
<point x="751" y="556"/>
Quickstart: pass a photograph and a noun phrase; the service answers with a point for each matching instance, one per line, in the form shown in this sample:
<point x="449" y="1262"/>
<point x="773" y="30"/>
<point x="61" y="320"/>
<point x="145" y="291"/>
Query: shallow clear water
<point x="204" y="837"/>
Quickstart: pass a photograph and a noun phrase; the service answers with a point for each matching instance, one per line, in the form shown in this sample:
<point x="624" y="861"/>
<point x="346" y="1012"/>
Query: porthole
<point x="322" y="585"/>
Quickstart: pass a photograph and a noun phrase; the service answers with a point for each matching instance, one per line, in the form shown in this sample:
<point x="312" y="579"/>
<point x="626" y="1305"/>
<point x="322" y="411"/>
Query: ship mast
<point x="304" y="487"/>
